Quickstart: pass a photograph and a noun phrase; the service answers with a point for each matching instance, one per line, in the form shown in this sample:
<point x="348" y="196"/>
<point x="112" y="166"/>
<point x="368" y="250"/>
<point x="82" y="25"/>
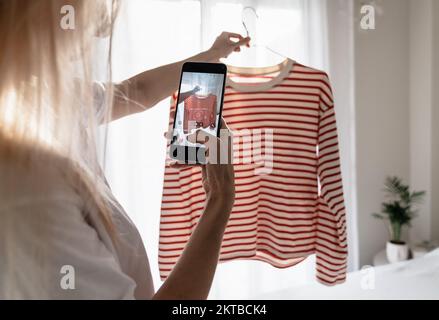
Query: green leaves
<point x="394" y="186"/>
<point x="399" y="208"/>
<point x="397" y="213"/>
<point x="378" y="216"/>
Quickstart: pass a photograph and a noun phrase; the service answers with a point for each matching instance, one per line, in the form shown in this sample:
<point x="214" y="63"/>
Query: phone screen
<point x="199" y="107"/>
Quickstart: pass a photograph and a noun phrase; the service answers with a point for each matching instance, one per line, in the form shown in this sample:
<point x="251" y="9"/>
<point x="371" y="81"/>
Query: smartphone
<point x="199" y="107"/>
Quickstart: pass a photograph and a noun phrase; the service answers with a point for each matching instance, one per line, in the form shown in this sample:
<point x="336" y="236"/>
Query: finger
<point x="231" y="35"/>
<point x="172" y="114"/>
<point x="199" y="136"/>
<point x="244" y="41"/>
<point x="206" y="151"/>
<point x="226" y="151"/>
<point x="215" y="151"/>
<point x="226" y="136"/>
<point x="224" y="124"/>
<point x="193" y="137"/>
<point x="205" y="178"/>
<point x="167" y="134"/>
<point x="204" y="172"/>
<point x="171" y="120"/>
<point x="178" y="165"/>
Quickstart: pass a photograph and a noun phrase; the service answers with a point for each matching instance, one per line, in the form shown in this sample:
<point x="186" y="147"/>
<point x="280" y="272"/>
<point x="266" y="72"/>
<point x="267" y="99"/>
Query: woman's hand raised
<point x="226" y="43"/>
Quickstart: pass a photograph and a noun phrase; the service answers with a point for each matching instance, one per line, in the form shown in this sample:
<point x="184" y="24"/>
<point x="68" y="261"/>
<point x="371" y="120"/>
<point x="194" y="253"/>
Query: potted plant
<point x="399" y="212"/>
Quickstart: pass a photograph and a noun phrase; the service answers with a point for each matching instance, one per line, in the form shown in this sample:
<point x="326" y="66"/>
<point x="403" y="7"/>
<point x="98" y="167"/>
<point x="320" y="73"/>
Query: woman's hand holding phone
<point x="192" y="276"/>
<point x="217" y="174"/>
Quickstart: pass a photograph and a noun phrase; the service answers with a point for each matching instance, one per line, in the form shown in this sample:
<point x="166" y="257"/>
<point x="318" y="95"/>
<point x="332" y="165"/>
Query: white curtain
<point x="152" y="33"/>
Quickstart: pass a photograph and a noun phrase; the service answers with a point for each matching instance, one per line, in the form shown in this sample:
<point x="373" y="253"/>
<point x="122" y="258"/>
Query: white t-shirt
<point x="53" y="245"/>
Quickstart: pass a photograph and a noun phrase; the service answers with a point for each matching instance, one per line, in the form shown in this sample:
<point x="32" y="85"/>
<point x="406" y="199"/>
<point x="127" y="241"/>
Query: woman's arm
<point x="192" y="276"/>
<point x="146" y="89"/>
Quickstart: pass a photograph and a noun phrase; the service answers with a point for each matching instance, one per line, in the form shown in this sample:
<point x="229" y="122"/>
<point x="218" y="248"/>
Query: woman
<point x="62" y="233"/>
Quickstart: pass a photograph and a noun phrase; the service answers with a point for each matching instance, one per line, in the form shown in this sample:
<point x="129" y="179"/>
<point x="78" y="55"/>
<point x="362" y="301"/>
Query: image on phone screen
<point x="199" y="107"/>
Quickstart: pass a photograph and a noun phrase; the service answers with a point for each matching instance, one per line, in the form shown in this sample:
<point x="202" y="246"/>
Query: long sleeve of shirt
<point x="331" y="231"/>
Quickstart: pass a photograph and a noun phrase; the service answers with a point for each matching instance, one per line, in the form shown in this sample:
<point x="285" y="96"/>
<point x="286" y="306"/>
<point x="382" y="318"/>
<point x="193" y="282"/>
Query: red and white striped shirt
<point x="289" y="196"/>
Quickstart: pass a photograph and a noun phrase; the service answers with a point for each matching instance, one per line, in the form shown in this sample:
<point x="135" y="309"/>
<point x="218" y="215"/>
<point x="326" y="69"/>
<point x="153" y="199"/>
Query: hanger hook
<point x="242" y="17"/>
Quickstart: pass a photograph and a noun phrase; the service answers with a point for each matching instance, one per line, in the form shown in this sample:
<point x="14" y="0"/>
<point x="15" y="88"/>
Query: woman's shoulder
<point x="44" y="227"/>
<point x="28" y="172"/>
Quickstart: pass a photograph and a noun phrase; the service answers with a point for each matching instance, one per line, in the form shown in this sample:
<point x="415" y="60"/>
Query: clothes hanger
<point x="257" y="45"/>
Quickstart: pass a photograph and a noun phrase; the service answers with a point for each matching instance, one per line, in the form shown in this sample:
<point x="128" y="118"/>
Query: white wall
<point x="421" y="97"/>
<point x="435" y="122"/>
<point x="340" y="37"/>
<point x="396" y="106"/>
<point x="382" y="115"/>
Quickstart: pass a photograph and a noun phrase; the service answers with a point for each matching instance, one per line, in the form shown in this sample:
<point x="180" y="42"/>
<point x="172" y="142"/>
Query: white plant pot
<point x="397" y="252"/>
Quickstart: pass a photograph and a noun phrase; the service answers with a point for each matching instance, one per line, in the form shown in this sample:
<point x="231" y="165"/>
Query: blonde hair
<point x="42" y="102"/>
